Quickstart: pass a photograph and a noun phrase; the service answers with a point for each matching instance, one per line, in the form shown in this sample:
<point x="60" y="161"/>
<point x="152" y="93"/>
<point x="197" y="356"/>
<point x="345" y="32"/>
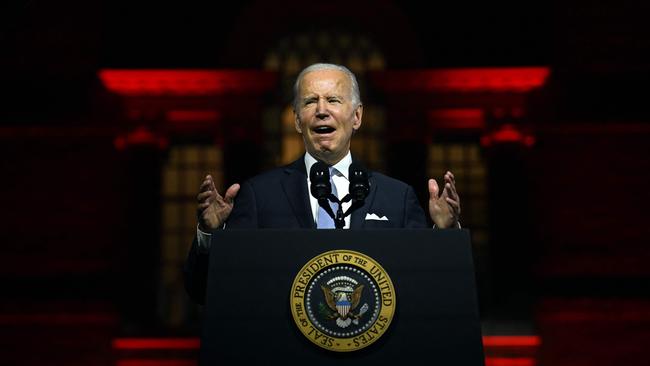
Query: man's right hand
<point x="213" y="209"/>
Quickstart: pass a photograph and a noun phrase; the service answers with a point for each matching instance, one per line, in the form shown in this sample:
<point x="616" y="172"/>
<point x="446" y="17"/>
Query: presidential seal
<point x="342" y="300"/>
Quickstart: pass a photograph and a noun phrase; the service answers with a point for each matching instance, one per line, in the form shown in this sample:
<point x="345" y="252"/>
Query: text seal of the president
<point x="342" y="300"/>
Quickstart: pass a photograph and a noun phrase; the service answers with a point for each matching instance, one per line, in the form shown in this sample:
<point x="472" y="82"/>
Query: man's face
<point x="325" y="114"/>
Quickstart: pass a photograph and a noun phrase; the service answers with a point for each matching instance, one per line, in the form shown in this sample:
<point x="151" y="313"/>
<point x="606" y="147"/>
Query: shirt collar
<point x="343" y="166"/>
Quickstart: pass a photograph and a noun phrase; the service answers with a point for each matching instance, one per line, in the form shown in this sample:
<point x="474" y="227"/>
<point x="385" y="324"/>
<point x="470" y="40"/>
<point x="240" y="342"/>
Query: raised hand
<point x="213" y="209"/>
<point x="444" y="209"/>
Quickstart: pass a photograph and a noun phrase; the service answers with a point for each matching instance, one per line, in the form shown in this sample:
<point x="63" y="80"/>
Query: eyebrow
<point x="311" y="97"/>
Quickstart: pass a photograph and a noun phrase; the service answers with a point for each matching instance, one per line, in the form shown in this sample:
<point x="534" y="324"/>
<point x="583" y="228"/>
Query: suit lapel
<point x="294" y="184"/>
<point x="359" y="215"/>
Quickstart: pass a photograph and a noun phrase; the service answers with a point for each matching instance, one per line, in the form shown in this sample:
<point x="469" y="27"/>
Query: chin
<point x="321" y="155"/>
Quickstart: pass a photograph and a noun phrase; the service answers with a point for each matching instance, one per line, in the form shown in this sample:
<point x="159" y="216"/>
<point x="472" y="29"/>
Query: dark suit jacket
<point x="279" y="199"/>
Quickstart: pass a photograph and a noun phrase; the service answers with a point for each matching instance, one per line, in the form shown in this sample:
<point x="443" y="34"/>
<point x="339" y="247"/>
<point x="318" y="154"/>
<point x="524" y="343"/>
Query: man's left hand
<point x="444" y="209"/>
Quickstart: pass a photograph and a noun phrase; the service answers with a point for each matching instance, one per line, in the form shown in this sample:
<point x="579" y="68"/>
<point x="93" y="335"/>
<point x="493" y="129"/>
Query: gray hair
<point x="354" y="92"/>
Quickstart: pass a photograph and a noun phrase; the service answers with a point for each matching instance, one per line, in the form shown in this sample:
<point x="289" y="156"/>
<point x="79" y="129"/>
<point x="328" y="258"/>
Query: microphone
<point x="359" y="184"/>
<point x="321" y="189"/>
<point x="319" y="176"/>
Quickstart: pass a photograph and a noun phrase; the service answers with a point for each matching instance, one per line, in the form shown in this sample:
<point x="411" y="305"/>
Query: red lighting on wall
<point x="489" y="361"/>
<point x="141" y="136"/>
<point x="512" y="341"/>
<point x="457" y="118"/>
<point x="506" y="361"/>
<point x="507" y="134"/>
<point x="194" y="343"/>
<point x="492" y="344"/>
<point x="511" y="350"/>
<point x="185" y="82"/>
<point x="511" y="79"/>
<point x="193" y="116"/>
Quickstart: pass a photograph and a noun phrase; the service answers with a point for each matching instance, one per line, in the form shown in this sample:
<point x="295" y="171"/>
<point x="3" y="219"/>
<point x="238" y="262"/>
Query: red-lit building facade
<point x="114" y="118"/>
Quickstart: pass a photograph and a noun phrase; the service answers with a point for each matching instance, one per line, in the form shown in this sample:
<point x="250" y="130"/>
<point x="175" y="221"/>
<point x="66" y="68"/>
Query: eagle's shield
<point x="343" y="307"/>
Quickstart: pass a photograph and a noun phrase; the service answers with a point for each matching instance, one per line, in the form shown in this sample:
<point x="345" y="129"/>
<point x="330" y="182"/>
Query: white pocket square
<point x="375" y="217"/>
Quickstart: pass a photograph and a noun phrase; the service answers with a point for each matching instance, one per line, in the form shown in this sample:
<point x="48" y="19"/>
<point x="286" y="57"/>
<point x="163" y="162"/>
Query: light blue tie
<point x="324" y="221"/>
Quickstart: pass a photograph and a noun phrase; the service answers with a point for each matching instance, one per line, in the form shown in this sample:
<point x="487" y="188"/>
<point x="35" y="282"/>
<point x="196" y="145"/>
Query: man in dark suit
<point x="327" y="110"/>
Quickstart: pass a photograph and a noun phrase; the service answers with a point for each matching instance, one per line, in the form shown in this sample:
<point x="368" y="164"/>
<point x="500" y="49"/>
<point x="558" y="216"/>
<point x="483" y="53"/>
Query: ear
<point x="297" y="122"/>
<point x="358" y="113"/>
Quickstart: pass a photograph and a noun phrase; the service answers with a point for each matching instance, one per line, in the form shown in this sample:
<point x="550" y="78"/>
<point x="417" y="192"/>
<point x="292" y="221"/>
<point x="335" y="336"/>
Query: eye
<point x="333" y="100"/>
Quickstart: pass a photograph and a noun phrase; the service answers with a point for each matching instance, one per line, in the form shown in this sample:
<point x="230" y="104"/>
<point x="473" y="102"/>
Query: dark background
<point x="567" y="219"/>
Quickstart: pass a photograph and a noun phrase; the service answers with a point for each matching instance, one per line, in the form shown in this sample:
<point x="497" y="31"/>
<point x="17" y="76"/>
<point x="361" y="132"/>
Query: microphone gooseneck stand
<point x="321" y="188"/>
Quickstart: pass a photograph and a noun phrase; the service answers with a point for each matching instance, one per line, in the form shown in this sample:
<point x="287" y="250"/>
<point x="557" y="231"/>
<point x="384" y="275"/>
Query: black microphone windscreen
<point x="359" y="183"/>
<point x="319" y="176"/>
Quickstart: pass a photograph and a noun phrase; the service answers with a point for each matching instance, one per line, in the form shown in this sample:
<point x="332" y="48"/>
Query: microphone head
<point x="359" y="184"/>
<point x="319" y="176"/>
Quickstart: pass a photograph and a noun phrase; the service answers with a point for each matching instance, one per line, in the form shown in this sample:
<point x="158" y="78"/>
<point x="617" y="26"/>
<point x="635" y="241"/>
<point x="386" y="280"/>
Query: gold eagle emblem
<point x="332" y="299"/>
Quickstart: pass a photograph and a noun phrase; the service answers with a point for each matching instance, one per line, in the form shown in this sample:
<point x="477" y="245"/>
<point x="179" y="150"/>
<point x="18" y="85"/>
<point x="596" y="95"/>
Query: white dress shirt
<point x="340" y="179"/>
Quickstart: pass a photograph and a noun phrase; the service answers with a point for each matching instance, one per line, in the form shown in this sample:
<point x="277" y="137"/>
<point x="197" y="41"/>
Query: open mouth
<point x="324" y="129"/>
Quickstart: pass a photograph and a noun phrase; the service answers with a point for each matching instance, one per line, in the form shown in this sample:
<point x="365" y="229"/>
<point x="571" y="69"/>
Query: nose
<point x="321" y="109"/>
